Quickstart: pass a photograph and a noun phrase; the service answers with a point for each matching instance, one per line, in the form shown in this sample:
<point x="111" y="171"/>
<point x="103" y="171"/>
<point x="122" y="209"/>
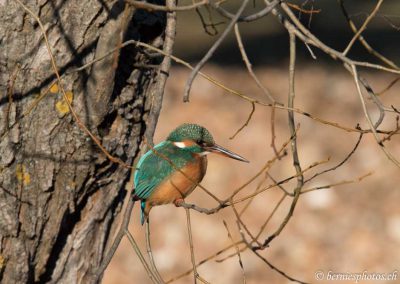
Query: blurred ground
<point x="349" y="228"/>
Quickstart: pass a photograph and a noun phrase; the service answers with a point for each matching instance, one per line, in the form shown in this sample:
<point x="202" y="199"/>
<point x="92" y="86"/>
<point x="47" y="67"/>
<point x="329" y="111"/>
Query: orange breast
<point x="178" y="185"/>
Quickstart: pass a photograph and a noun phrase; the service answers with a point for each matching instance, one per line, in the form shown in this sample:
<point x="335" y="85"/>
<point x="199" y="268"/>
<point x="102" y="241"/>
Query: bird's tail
<point x="142" y="207"/>
<point x="142" y="215"/>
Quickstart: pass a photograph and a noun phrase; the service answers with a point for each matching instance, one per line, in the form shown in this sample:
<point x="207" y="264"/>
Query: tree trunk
<point x="60" y="196"/>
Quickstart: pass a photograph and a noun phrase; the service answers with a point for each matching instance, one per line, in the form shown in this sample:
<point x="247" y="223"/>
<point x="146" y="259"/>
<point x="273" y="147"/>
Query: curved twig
<point x="211" y="51"/>
<point x="268" y="8"/>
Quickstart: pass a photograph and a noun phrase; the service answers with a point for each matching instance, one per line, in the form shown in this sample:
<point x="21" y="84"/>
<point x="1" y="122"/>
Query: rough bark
<point x="60" y="196"/>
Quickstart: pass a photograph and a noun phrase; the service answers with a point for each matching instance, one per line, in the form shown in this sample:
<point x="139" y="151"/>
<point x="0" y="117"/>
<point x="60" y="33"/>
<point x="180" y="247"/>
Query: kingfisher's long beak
<point x="225" y="152"/>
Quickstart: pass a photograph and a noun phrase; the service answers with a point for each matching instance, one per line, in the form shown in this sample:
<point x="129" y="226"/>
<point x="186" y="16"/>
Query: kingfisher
<point x="172" y="169"/>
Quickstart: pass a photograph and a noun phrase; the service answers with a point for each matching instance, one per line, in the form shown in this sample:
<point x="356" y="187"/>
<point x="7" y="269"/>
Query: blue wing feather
<point x="152" y="169"/>
<point x="144" y="179"/>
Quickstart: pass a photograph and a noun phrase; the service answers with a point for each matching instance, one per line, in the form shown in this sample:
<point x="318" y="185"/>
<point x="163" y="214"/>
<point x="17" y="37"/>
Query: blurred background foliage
<point x="266" y="40"/>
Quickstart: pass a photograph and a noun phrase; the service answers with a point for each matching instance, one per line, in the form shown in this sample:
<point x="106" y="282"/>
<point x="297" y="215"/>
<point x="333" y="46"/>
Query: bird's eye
<point x="201" y="143"/>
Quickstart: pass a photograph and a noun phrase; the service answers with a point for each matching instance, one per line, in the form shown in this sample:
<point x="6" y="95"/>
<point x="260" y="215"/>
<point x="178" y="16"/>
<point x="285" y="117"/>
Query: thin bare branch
<point x="363" y="40"/>
<point x="281" y="272"/>
<point x="339" y="164"/>
<point x="268" y="8"/>
<point x="205" y="25"/>
<point x="249" y="66"/>
<point x="368" y="118"/>
<point x="192" y="257"/>
<point x="360" y="178"/>
<point x="363" y="27"/>
<point x="205" y="260"/>
<point x="211" y="51"/>
<point x="237" y="252"/>
<point x="296" y="162"/>
<point x="141" y="257"/>
<point x="253" y="108"/>
<point x="150" y="253"/>
<point x="388" y="87"/>
<point x="168" y="8"/>
<point x="304" y="11"/>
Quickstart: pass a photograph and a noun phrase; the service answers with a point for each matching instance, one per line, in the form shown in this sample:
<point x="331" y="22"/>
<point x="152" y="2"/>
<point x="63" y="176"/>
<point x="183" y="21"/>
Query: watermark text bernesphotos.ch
<point x="356" y="276"/>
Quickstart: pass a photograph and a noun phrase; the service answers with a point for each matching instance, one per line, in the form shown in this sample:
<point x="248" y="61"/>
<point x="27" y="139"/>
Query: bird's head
<point x="197" y="139"/>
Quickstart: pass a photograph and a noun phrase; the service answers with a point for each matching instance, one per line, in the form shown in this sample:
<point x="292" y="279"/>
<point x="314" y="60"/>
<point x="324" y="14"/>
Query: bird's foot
<point x="178" y="202"/>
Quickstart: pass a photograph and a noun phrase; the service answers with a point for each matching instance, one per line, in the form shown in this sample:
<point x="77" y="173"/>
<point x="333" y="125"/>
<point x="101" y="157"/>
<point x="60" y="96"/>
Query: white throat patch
<point x="180" y="144"/>
<point x="183" y="145"/>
